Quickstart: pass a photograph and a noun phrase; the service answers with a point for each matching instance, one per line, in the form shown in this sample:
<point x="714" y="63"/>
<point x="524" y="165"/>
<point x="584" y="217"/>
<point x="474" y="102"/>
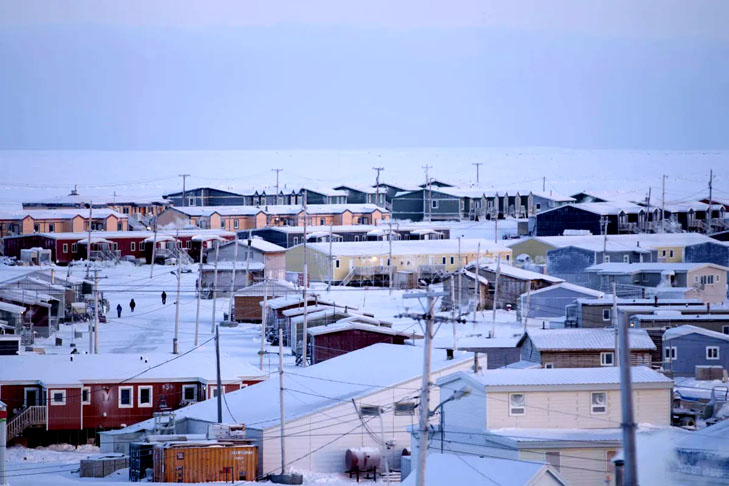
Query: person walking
<point x="118" y="311"/>
<point x="164" y="297"/>
<point x="132" y="305"/>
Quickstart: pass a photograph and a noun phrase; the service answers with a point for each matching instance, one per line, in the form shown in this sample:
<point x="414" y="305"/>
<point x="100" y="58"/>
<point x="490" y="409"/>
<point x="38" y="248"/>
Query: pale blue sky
<point x="342" y="74"/>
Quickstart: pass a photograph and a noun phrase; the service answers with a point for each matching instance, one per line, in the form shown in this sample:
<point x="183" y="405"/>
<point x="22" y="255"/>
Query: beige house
<point x="29" y="221"/>
<point x="325" y="214"/>
<point x="351" y="259"/>
<point x="229" y="218"/>
<point x="569" y="418"/>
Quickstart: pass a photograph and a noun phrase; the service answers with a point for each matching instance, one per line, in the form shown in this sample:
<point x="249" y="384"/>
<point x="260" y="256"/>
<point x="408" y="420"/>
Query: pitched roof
<point x="609" y="268"/>
<point x="586" y="339"/>
<point x="408" y="247"/>
<point x="519" y="273"/>
<point x="571" y="287"/>
<point x="685" y="330"/>
<point x="353" y="325"/>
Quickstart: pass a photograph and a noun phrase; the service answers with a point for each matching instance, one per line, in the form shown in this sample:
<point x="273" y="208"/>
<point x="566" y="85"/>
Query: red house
<point x="71" y="398"/>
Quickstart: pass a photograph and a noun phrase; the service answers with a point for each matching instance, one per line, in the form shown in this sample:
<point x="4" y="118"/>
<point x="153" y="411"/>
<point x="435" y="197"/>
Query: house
<point x="708" y="252"/>
<point x="551" y="301"/>
<point x="270" y="257"/>
<point x="565" y="417"/>
<point x="231" y="218"/>
<point x="597" y="312"/>
<point x="248" y="302"/>
<point x="597" y="217"/>
<point x="29" y="221"/>
<point x="570" y="262"/>
<point x="458" y="469"/>
<point x="513" y="282"/>
<point x="70" y="398"/>
<point x="288" y="236"/>
<point x="364" y="195"/>
<point x="350" y="334"/>
<point x="519" y="203"/>
<point x="369" y="262"/>
<point x="322" y="401"/>
<point x="584" y="348"/>
<point x="204" y="196"/>
<point x="716" y="320"/>
<point x="325" y="214"/>
<point x="428" y="205"/>
<point x="489" y="351"/>
<point x="687" y="347"/>
<point x="706" y="281"/>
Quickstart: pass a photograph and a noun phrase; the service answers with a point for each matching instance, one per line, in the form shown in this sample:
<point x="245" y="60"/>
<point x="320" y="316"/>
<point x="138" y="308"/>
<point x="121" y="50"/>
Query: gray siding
<point x="707" y="253"/>
<point x="691" y="352"/>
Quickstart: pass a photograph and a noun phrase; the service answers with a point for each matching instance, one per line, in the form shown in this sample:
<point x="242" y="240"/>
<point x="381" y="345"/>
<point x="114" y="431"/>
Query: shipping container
<point x="205" y="462"/>
<point x="140" y="459"/>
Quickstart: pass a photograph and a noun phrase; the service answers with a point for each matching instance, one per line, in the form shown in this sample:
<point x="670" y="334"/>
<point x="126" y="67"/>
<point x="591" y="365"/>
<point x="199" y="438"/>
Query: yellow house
<point x="373" y="257"/>
<point x="567" y="417"/>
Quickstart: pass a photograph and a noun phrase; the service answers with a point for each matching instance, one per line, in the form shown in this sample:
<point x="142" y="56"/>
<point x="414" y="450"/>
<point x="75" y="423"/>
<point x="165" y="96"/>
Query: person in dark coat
<point x="164" y="297"/>
<point x="118" y="311"/>
<point x="132" y="305"/>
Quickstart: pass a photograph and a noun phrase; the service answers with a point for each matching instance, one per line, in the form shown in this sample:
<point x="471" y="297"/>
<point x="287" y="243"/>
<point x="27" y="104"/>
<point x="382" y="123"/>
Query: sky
<point x="327" y="74"/>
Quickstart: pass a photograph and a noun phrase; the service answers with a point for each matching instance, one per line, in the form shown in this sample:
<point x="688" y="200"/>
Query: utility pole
<point x="616" y="358"/>
<point x="477" y="284"/>
<point x="232" y="279"/>
<point x="430" y="197"/>
<point x="184" y="192"/>
<point x="496" y="295"/>
<point x="663" y="205"/>
<point x="377" y="184"/>
<point x="460" y="277"/>
<point x="525" y="311"/>
<point x="199" y="291"/>
<point x="626" y="396"/>
<point x="648" y="204"/>
<point x="215" y="283"/>
<point x="306" y="290"/>
<point x="544" y="184"/>
<point x="175" y="349"/>
<point x="88" y="243"/>
<point x="154" y="251"/>
<point x="604" y="224"/>
<point x="331" y="262"/>
<point x="496" y="227"/>
<point x="96" y="311"/>
<point x="711" y="195"/>
<point x="425" y="394"/>
<point x="389" y="258"/>
<point x="219" y="381"/>
<point x="281" y="399"/>
<point x="277" y="171"/>
<point x="477" y="164"/>
<point x="3" y="442"/>
<point x="264" y="316"/>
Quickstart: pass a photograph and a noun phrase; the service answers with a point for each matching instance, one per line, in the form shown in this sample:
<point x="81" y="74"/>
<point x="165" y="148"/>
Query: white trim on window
<point x="86" y="395"/>
<point x="58" y="397"/>
<point x="626" y="258"/>
<point x="598" y="403"/>
<point x="194" y="393"/>
<point x="65" y="248"/>
<point x="122" y="389"/>
<point x="133" y="246"/>
<point x="236" y="224"/>
<point x="670" y="353"/>
<point x="549" y="366"/>
<point x="606" y="314"/>
<point x="712" y="352"/>
<point x="725" y="329"/>
<point x="606" y="258"/>
<point x="517" y="404"/>
<point x="74" y="247"/>
<point x="607" y="358"/>
<point x="146" y="404"/>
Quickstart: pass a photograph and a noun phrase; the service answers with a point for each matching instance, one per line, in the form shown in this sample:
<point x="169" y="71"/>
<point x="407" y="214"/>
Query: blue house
<point x="569" y="263"/>
<point x="686" y="347"/>
<point x="709" y="252"/>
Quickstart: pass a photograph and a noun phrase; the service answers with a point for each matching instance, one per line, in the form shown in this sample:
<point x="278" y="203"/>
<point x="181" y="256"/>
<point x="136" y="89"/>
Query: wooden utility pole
<point x="544" y="184"/>
<point x="184" y="192"/>
<point x="626" y="399"/>
<point x="306" y="290"/>
<point x="389" y="258"/>
<point x="477" y="164"/>
<point x="711" y="196"/>
<point x="377" y="184"/>
<point x="429" y="211"/>
<point x="277" y="190"/>
<point x="232" y="279"/>
<point x="477" y="284"/>
<point x="264" y="317"/>
<point x="616" y="358"/>
<point x="96" y="311"/>
<point x="663" y="205"/>
<point x="88" y="243"/>
<point x="496" y="295"/>
<point x="219" y="381"/>
<point x="215" y="283"/>
<point x="199" y="290"/>
<point x="331" y="260"/>
<point x="175" y="348"/>
<point x="525" y="311"/>
<point x="424" y="407"/>
<point x="281" y="400"/>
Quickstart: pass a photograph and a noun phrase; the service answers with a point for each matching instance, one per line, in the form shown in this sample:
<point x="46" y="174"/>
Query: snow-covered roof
<point x="318" y="387"/>
<point x="542" y="435"/>
<point x="553" y="377"/>
<point x="605" y="208"/>
<point x="572" y="287"/>
<point x="272" y="288"/>
<point x="131" y="234"/>
<point x="311" y="209"/>
<point x="95" y="240"/>
<point x="482" y="342"/>
<point x="408" y="247"/>
<point x="258" y="244"/>
<point x="12" y="274"/>
<point x="519" y="273"/>
<point x="678" y="315"/>
<point x="451" y="469"/>
<point x="353" y="325"/>
<point x="56" y="369"/>
<point x="97" y="213"/>
<point x="639" y="242"/>
<point x="357" y="228"/>
<point x="240" y="266"/>
<point x="281" y="302"/>
<point x="586" y="339"/>
<point x="685" y="330"/>
<point x="12" y="308"/>
<point x="610" y="268"/>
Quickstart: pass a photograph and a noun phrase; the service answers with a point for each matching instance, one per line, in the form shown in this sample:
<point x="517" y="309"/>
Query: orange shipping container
<point x="201" y="463"/>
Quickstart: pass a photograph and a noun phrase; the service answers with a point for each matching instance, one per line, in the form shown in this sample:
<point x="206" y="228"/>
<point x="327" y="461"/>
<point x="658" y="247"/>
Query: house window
<point x="670" y="353"/>
<point x="336" y="265"/>
<point x="189" y="393"/>
<point x="712" y="352"/>
<point x="141" y="246"/>
<point x="191" y="201"/>
<point x="236" y="224"/>
<point x="356" y="238"/>
<point x="86" y="395"/>
<point x="188" y="244"/>
<point x="444" y="260"/>
<point x="670" y="254"/>
<point x="115" y="246"/>
<point x="517" y="404"/>
<point x="607" y="358"/>
<point x="598" y="402"/>
<point x="133" y="246"/>
<point x="144" y="396"/>
<point x="58" y="397"/>
<point x="552" y="458"/>
<point x="126" y="399"/>
<point x="663" y="253"/>
<point x="606" y="259"/>
<point x="321" y="221"/>
<point x="539" y="206"/>
<point x="51" y="227"/>
<point x="725" y="329"/>
<point x="120" y="226"/>
<point x="434" y="204"/>
<point x="453" y="260"/>
<point x="65" y="248"/>
<point x="626" y="258"/>
<point x="606" y="314"/>
<point x="549" y="365"/>
<point x="296" y="240"/>
<point x="36" y="228"/>
<point x="74" y="247"/>
<point x="213" y="391"/>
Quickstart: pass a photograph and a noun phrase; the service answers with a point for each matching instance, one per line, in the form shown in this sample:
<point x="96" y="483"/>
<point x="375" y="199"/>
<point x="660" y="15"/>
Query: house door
<point x="31" y="397"/>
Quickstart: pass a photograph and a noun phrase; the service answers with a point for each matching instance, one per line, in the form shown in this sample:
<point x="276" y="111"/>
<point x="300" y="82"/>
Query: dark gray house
<point x="620" y="217"/>
<point x="686" y="347"/>
<point x="552" y="301"/>
<point x="709" y="252"/>
<point x="423" y="204"/>
<point x="569" y="263"/>
<point x="364" y="195"/>
<point x="288" y="236"/>
<point x="205" y="196"/>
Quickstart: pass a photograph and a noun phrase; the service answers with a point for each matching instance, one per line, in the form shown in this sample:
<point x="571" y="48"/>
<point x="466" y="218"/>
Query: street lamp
<point x="462" y="392"/>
